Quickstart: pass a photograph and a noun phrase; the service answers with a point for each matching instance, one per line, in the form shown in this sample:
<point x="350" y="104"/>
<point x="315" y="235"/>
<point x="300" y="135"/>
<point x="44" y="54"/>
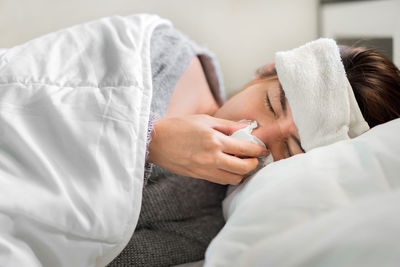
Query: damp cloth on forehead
<point x="244" y="134"/>
<point x="320" y="96"/>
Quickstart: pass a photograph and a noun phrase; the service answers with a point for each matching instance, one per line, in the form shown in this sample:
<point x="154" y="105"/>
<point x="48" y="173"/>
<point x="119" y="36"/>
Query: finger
<point x="224" y="177"/>
<point x="241" y="148"/>
<point x="216" y="175"/>
<point x="228" y="127"/>
<point x="236" y="165"/>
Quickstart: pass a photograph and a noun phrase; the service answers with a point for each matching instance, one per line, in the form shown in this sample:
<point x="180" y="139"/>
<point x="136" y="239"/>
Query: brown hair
<point x="375" y="81"/>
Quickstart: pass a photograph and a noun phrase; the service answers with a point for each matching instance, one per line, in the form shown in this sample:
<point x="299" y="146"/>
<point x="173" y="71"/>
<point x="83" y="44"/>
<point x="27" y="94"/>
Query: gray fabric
<point x="171" y="53"/>
<point x="191" y="264"/>
<point x="179" y="215"/>
<point x="170" y="57"/>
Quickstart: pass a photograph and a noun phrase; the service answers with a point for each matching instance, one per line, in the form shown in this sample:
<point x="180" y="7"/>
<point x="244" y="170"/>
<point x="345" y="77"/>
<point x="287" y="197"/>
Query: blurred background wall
<point x="244" y="34"/>
<point x="372" y="23"/>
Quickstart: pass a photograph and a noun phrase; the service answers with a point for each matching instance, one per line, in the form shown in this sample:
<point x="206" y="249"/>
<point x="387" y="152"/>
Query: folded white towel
<point x="323" y="104"/>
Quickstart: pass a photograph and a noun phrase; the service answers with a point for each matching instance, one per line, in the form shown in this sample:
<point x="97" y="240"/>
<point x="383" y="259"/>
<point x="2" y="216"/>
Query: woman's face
<point x="264" y="101"/>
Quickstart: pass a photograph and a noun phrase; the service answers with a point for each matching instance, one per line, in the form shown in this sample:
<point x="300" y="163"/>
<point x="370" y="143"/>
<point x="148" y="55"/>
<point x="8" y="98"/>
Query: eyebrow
<point x="282" y="98"/>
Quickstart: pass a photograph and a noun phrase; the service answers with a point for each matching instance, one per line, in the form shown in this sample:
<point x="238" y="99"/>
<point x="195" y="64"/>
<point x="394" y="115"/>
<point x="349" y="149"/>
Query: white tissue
<point x="245" y="135"/>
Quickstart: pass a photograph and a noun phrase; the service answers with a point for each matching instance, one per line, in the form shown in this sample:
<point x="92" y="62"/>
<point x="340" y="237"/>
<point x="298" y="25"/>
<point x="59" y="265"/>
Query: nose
<point x="268" y="134"/>
<point x="286" y="127"/>
<point x="273" y="136"/>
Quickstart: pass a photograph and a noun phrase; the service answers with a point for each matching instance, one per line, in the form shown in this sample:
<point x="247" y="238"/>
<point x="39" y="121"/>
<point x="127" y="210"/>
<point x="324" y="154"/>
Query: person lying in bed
<point x="74" y="109"/>
<point x="180" y="215"/>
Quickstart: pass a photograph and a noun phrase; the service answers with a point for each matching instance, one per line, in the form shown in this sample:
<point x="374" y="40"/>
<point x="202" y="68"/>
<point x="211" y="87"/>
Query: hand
<point x="199" y="146"/>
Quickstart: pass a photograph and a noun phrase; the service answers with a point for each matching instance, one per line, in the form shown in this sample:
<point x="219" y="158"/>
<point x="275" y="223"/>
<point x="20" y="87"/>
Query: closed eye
<point x="268" y="104"/>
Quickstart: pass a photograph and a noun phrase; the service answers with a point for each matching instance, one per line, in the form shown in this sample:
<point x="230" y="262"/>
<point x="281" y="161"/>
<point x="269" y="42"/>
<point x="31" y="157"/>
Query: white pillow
<point x="337" y="205"/>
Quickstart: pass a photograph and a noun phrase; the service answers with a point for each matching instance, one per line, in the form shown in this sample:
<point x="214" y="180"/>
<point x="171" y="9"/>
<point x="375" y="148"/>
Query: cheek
<point x="237" y="109"/>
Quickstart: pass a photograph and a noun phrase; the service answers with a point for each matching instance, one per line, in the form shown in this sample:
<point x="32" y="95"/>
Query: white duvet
<point x="337" y="205"/>
<point x="74" y="108"/>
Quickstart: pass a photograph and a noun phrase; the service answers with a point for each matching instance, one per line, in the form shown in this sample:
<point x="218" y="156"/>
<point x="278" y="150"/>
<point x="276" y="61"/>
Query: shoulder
<point x="192" y="93"/>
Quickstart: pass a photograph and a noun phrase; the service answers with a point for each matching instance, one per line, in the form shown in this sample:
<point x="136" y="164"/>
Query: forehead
<point x="270" y="79"/>
<point x="259" y="85"/>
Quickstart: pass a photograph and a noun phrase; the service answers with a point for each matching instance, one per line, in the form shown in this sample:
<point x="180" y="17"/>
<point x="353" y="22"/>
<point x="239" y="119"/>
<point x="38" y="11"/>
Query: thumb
<point x="228" y="127"/>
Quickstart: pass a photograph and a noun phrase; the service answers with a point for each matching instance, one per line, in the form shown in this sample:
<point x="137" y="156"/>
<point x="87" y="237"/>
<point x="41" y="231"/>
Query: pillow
<point x="335" y="205"/>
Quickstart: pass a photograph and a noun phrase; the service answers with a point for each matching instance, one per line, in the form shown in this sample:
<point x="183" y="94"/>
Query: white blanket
<point x="337" y="205"/>
<point x="74" y="108"/>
